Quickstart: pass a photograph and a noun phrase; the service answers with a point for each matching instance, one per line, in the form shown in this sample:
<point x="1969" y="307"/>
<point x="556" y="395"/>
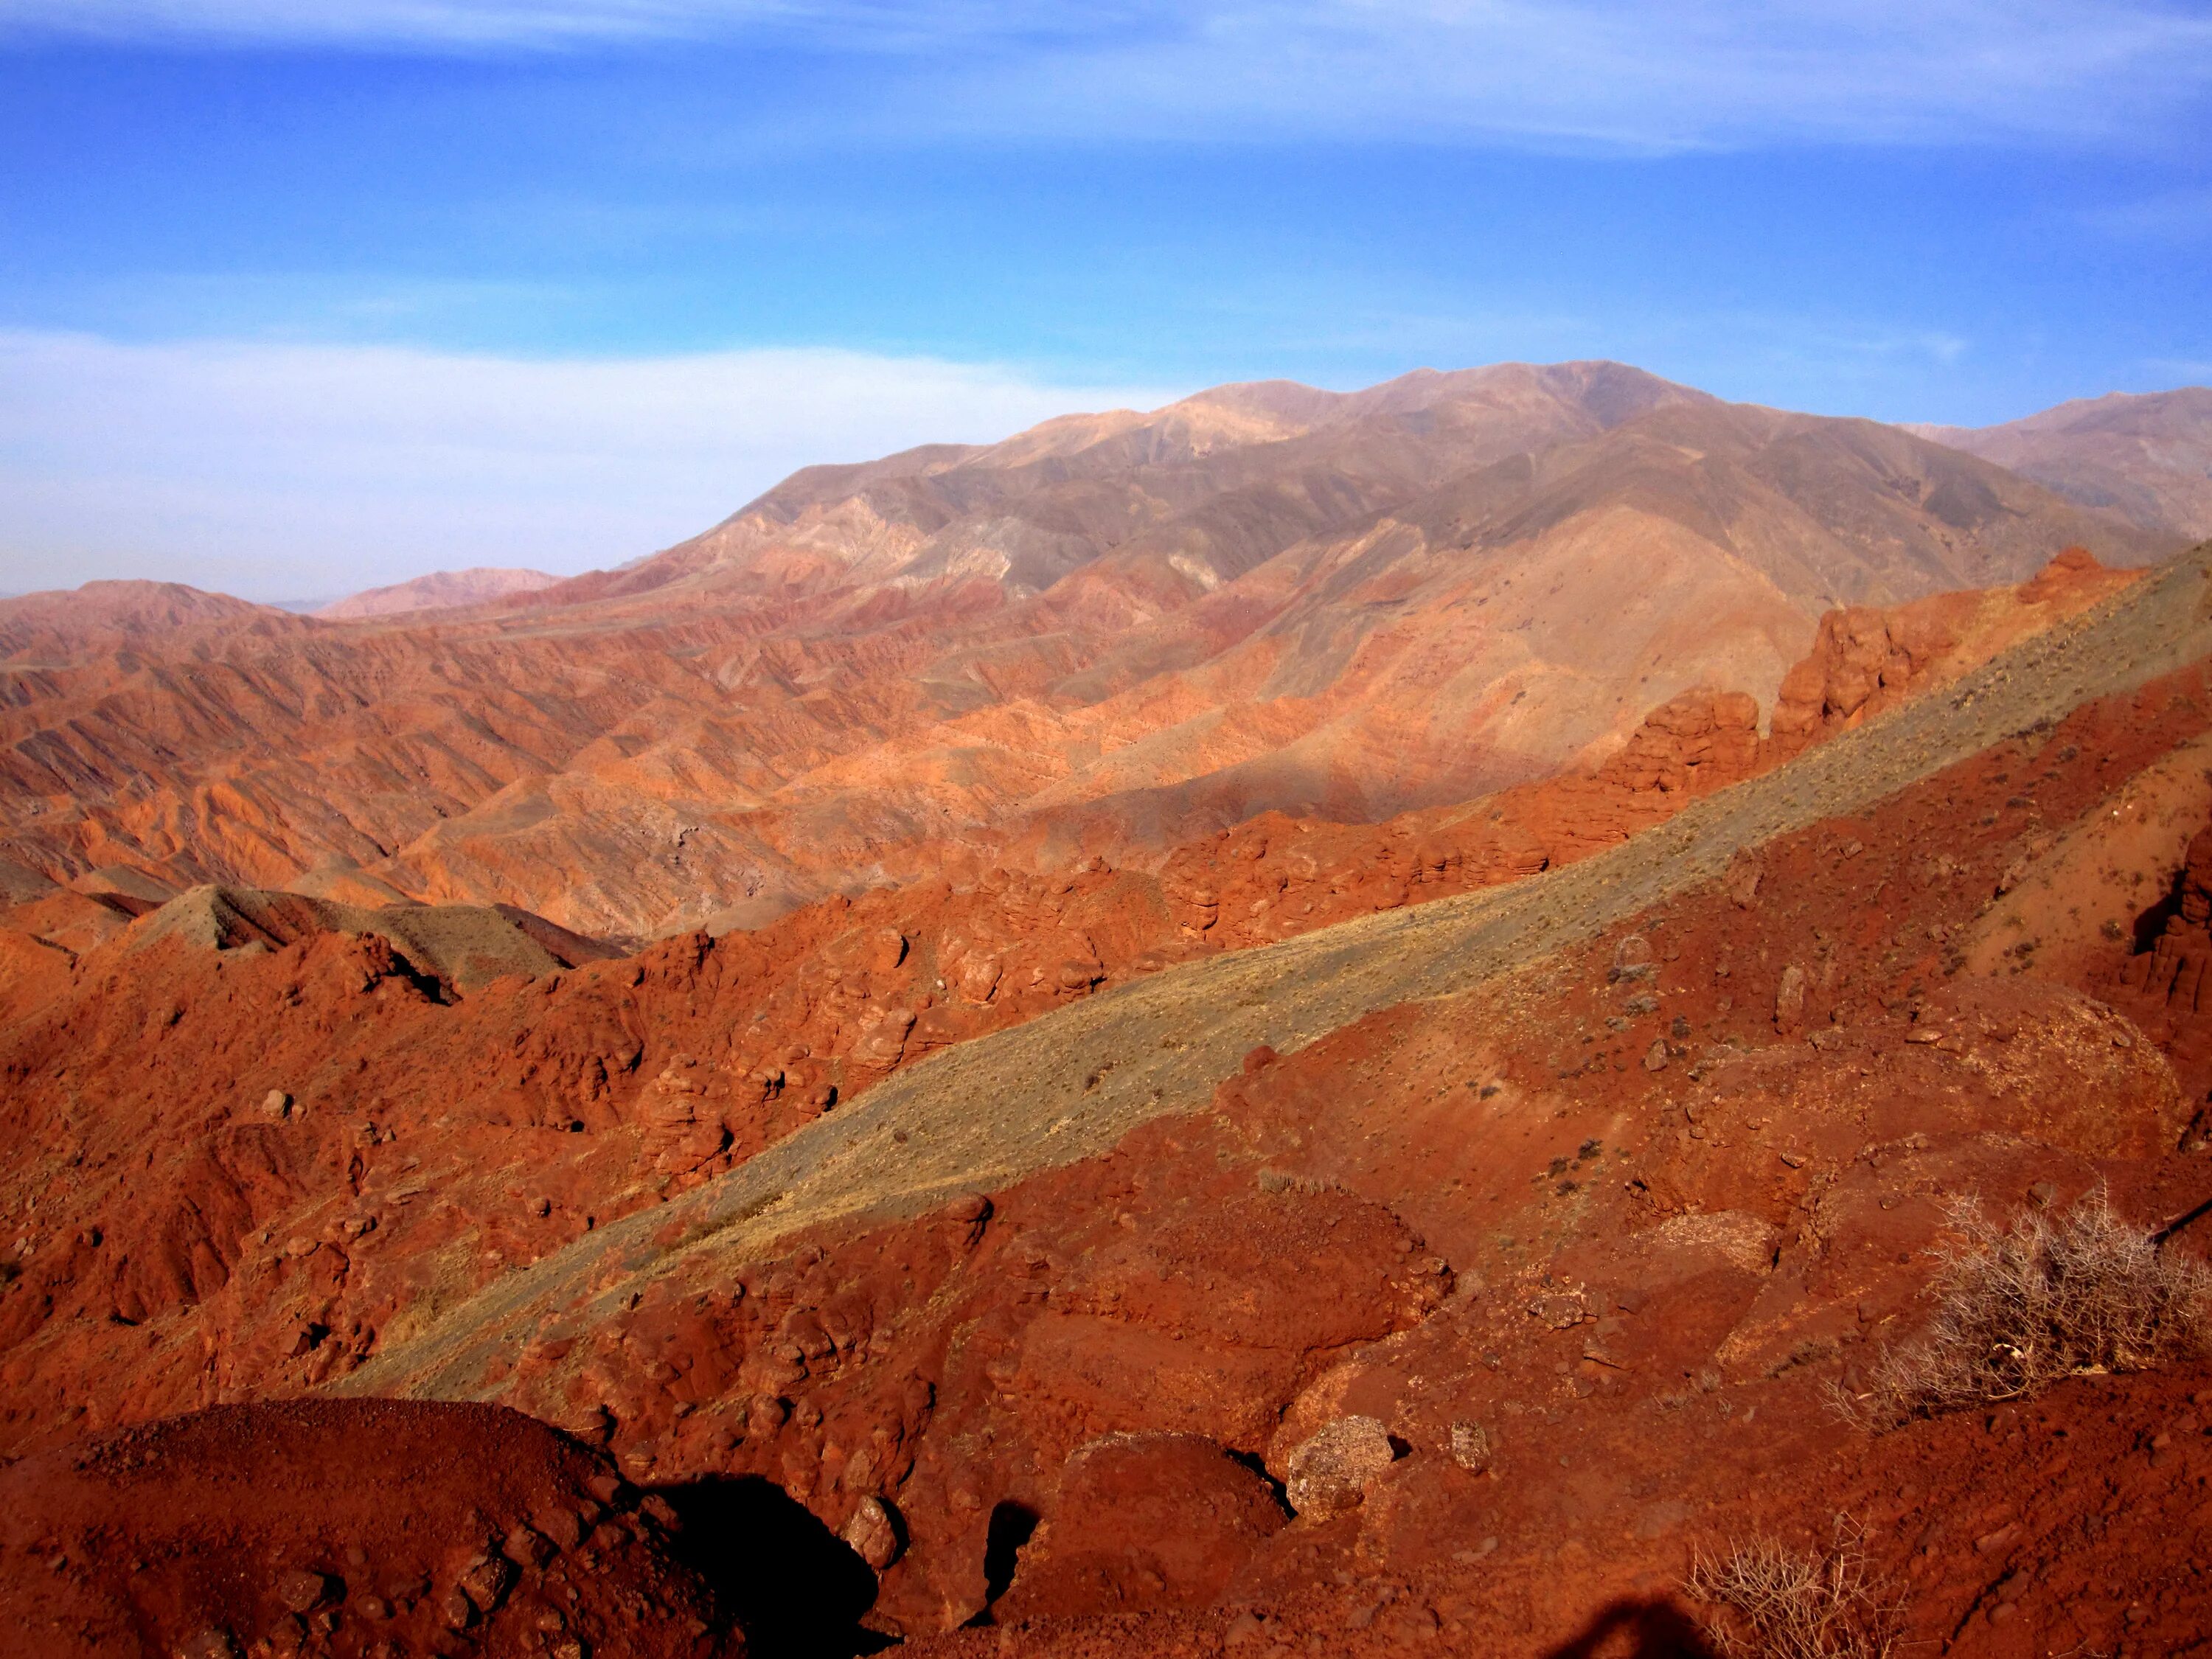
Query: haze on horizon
<point x="297" y="302"/>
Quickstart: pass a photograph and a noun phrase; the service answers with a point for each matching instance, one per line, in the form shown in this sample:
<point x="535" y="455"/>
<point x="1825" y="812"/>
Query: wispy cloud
<point x="425" y="22"/>
<point x="1637" y="73"/>
<point x="285" y="471"/>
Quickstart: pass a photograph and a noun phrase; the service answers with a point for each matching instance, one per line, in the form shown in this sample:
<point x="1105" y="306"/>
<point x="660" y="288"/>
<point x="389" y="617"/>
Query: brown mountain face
<point x="2147" y="459"/>
<point x="1108" y="635"/>
<point x="442" y="589"/>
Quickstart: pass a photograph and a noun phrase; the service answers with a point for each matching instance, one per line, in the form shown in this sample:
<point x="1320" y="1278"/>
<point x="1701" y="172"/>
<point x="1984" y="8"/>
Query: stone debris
<point x="872" y="1534"/>
<point x="485" y="1580"/>
<point x="300" y="1590"/>
<point x="1470" y="1445"/>
<point x="1330" y="1471"/>
<point x="1789" y="1000"/>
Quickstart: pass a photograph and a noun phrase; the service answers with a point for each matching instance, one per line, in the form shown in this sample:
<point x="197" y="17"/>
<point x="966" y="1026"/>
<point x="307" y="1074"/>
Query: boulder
<point x="1330" y="1471"/>
<point x="872" y="1534"/>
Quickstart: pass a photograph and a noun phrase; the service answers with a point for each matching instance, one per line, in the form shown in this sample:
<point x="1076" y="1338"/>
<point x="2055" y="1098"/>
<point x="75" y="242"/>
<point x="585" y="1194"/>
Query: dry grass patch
<point x="2049" y="1296"/>
<point x="1779" y="1602"/>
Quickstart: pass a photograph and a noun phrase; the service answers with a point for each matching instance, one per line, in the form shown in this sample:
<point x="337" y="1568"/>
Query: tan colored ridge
<point x="468" y="946"/>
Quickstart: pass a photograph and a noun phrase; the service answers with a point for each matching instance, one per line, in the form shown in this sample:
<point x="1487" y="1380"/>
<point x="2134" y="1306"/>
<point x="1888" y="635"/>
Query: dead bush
<point x="2020" y="1307"/>
<point x="1784" y="1603"/>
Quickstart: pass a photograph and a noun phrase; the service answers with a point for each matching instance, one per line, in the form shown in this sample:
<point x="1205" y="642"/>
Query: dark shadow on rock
<point x="1011" y="1525"/>
<point x="1258" y="1465"/>
<point x="796" y="1589"/>
<point x="1639" y="1628"/>
<point x="2149" y="924"/>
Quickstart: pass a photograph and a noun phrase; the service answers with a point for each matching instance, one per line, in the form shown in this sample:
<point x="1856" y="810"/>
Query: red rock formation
<point x="1611" y="1218"/>
<point x="1263" y="880"/>
<point x="368" y="1527"/>
<point x="1153" y="1520"/>
<point x="611" y="1084"/>
<point x="2163" y="987"/>
<point x="1864" y="661"/>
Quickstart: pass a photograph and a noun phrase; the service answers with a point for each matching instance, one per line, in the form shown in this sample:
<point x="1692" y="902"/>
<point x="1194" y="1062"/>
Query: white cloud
<point x="299" y="471"/>
<point x="1640" y="73"/>
<point x="853" y="24"/>
<point x="447" y="22"/>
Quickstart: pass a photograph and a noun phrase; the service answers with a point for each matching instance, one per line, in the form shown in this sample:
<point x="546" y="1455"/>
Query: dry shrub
<point x="2018" y="1307"/>
<point x="1784" y="1603"/>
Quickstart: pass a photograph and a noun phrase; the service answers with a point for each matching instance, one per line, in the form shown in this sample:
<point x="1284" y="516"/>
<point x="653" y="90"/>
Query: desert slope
<point x="1561" y="1204"/>
<point x="253" y="1042"/>
<point x="1568" y="1186"/>
<point x="1067" y="1086"/>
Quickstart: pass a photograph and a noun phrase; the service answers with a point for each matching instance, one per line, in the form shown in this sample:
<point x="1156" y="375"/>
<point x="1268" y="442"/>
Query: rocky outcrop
<point x="682" y="1127"/>
<point x="2166" y="986"/>
<point x="462" y="946"/>
<point x="1330" y="1471"/>
<point x="1864" y="661"/>
<point x="1141" y="1521"/>
<point x="390" y="1526"/>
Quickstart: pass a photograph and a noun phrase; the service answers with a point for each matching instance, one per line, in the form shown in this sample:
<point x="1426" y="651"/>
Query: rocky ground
<point x="267" y="1135"/>
<point x="1060" y="1265"/>
<point x="377" y="1527"/>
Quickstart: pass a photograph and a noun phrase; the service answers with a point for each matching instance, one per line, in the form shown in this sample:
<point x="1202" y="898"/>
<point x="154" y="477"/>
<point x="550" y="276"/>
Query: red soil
<point x="355" y="1527"/>
<point x="1589" y="1241"/>
<point x="1675" y="1199"/>
<point x="195" y="1246"/>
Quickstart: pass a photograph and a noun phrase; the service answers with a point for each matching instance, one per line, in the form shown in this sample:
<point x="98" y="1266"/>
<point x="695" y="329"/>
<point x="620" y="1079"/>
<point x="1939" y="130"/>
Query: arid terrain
<point x="1109" y="636"/>
<point x="1302" y="1024"/>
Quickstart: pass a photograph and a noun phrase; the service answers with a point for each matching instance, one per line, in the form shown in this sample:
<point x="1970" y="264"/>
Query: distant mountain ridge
<point x="2145" y="456"/>
<point x="439" y="590"/>
<point x="1101" y="637"/>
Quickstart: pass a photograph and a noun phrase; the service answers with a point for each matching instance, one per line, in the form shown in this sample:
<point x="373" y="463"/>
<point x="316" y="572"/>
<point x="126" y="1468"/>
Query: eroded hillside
<point x="417" y="1100"/>
<point x="1584" y="1191"/>
<point x="1107" y="636"/>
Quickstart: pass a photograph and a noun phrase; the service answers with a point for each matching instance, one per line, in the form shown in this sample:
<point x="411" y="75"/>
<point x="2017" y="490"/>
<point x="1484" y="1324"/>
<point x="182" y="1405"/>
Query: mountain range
<point x="1101" y="637"/>
<point x="2145" y="458"/>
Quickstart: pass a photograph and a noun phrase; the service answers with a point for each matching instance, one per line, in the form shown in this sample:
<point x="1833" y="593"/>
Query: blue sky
<point x="294" y="297"/>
